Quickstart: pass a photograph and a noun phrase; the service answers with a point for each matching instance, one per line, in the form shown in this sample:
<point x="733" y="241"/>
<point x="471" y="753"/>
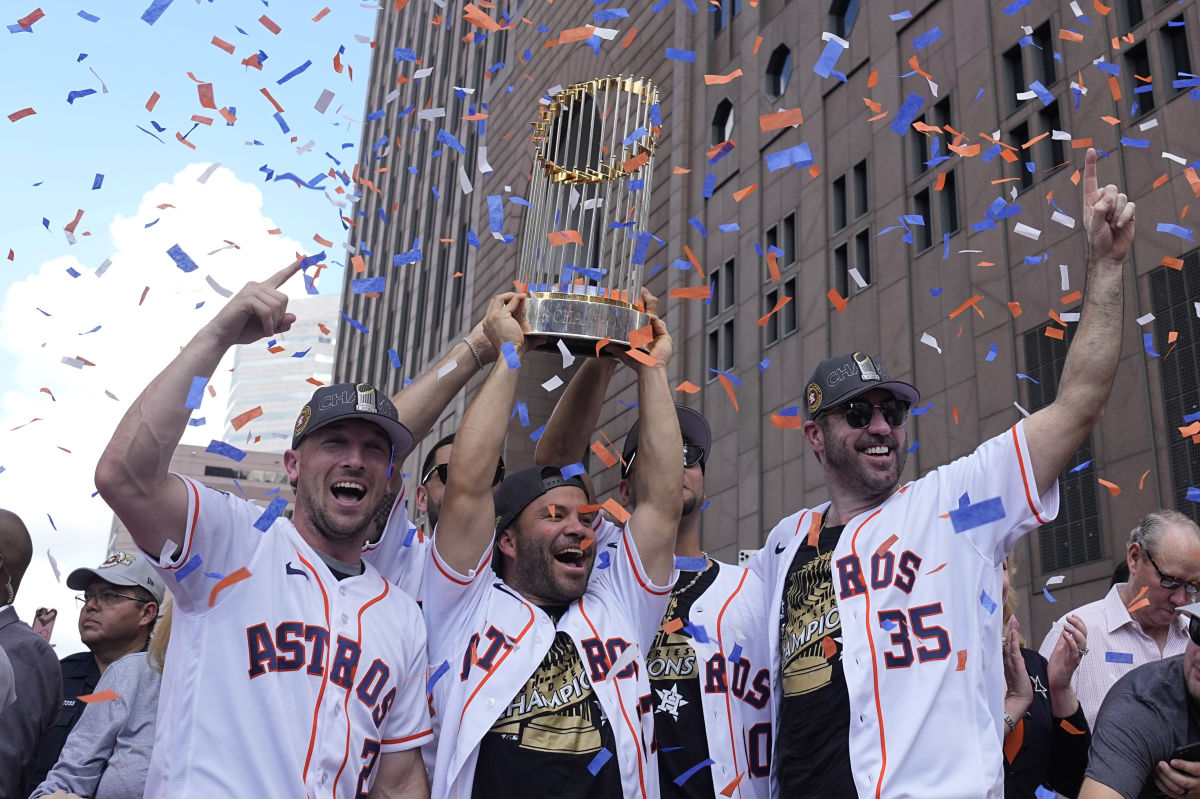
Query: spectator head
<point x="697" y="443"/>
<point x="1162" y="567"/>
<point x="434" y="471"/>
<point x="120" y="604"/>
<point x="16" y="552"/>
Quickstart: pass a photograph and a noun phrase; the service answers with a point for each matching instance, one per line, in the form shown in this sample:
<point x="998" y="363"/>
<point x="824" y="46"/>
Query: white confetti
<point x="1148" y="124"/>
<point x="1076" y="9"/>
<point x="449" y="367"/>
<point x="53" y="566"/>
<point x="826" y="36"/>
<point x="207" y="173"/>
<point x="217" y="287"/>
<point x="554" y="382"/>
<point x="1069" y="316"/>
<point x="322" y="103"/>
<point x="858" y="278"/>
<point x="1064" y="277"/>
<point x="78" y="364"/>
<point x="1024" y="412"/>
<point x="1055" y="580"/>
<point x="931" y="341"/>
<point x="1174" y="158"/>
<point x="110" y="395"/>
<point x="464" y="182"/>
<point x="102" y="268"/>
<point x="431" y="113"/>
<point x="485" y="168"/>
<point x="1145" y="320"/>
<point x="627" y="657"/>
<point x="1060" y="135"/>
<point x="1062" y="219"/>
<point x="1022" y="229"/>
<point x="567" y="357"/>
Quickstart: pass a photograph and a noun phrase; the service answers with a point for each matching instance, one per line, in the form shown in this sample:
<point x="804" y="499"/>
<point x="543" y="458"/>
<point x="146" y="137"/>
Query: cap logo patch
<point x="813" y="397"/>
<point x="302" y="419"/>
<point x="117" y="559"/>
<point x="366" y="398"/>
<point x="866" y="367"/>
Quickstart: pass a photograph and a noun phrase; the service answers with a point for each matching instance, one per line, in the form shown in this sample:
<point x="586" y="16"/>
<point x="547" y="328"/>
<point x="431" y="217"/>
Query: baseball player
<point x="709" y="665"/>
<point x="885" y="600"/>
<point x="541" y="690"/>
<point x="294" y="668"/>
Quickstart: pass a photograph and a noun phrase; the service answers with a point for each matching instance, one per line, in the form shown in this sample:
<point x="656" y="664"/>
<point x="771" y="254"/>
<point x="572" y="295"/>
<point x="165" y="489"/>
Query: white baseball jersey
<point x="920" y="614"/>
<point x="399" y="554"/>
<point x="287" y="682"/>
<point x="735" y="680"/>
<point x="492" y="640"/>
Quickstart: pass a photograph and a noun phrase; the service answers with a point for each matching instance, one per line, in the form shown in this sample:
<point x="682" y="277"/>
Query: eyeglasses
<point x="443" y="470"/>
<point x="692" y="454"/>
<point x="1191" y="587"/>
<point x="1194" y="629"/>
<point x="859" y="413"/>
<point x="105" y="599"/>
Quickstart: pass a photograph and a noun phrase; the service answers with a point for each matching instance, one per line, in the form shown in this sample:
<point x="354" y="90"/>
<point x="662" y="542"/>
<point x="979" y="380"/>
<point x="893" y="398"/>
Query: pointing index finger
<point x="1090" y="184"/>
<point x="279" y="278"/>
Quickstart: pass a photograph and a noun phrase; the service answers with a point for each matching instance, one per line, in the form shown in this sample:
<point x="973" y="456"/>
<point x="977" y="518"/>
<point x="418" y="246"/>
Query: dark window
<point x="788" y="240"/>
<point x="1172" y="296"/>
<point x="788" y="323"/>
<point x="771" y="329"/>
<point x="862" y="196"/>
<point x="1074" y="537"/>
<point x="921" y="143"/>
<point x="1176" y="56"/>
<point x="722" y="122"/>
<point x="1014" y="73"/>
<point x="1137" y="65"/>
<point x="923" y="233"/>
<point x="842" y="14"/>
<point x="862" y="255"/>
<point x="1054" y="153"/>
<point x="729" y="291"/>
<point x="841" y="269"/>
<point x="1020" y="135"/>
<point x="714" y="296"/>
<point x="1131" y="13"/>
<point x="948" y="205"/>
<point x="727" y="344"/>
<point x="839" y="202"/>
<point x="1043" y="41"/>
<point x="439" y="300"/>
<point x="714" y="352"/>
<point x="779" y="72"/>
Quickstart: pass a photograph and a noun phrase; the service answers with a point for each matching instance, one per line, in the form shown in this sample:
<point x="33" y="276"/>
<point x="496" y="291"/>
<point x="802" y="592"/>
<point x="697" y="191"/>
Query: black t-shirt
<point x="1050" y="754"/>
<point x="675" y="678"/>
<point x="79" y="676"/>
<point x="812" y="750"/>
<point x="1146" y="716"/>
<point x="547" y="743"/>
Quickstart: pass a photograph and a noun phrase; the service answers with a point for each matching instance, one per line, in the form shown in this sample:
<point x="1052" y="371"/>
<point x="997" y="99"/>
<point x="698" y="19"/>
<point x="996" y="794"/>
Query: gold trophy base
<point x="581" y="321"/>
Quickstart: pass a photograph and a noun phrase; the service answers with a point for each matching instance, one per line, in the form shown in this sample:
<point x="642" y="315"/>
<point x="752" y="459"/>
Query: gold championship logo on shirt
<point x="811" y="616"/>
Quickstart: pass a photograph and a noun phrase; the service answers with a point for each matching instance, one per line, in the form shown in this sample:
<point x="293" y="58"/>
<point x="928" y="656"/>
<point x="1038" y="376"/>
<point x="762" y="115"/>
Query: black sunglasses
<point x="859" y="412"/>
<point x="1194" y="629"/>
<point x="443" y="469"/>
<point x="1169" y="582"/>
<point x="692" y="454"/>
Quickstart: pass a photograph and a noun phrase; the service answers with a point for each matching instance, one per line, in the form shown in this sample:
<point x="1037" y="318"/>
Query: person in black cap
<point x="544" y="692"/>
<point x="709" y="667"/>
<point x="295" y="666"/>
<point x="884" y="601"/>
<point x="120" y="606"/>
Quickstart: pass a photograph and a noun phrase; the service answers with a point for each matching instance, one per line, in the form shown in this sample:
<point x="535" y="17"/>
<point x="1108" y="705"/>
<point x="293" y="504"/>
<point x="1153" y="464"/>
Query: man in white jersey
<point x="295" y="668"/>
<point x="709" y="665"/>
<point x="884" y="601"/>
<point x="539" y="683"/>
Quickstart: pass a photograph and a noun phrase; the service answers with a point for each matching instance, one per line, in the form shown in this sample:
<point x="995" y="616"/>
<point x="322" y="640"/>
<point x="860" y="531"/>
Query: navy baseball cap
<point x="844" y="377"/>
<point x="352" y="401"/>
<point x="692" y="426"/>
<point x="521" y="488"/>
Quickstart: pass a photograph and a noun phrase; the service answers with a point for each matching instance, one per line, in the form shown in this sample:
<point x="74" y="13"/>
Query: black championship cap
<point x="523" y="487"/>
<point x="352" y="401"/>
<point x="844" y="377"/>
<point x="692" y="426"/>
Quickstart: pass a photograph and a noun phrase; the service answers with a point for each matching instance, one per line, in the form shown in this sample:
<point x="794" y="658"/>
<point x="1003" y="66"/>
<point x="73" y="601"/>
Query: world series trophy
<point x="584" y="239"/>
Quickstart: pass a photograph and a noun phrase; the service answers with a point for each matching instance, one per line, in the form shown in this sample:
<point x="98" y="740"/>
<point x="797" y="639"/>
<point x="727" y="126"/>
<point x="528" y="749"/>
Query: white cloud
<point x="42" y="480"/>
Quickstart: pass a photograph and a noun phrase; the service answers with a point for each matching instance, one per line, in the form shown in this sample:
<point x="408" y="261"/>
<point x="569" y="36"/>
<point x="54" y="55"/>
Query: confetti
<point x="1118" y="657"/>
<point x="156" y="9"/>
<point x="225" y="582"/>
<point x="187" y="568"/>
<point x="182" y="259"/>
<point x="228" y="450"/>
<point x="270" y="514"/>
<point x="602" y="757"/>
<point x="107" y="695"/>
<point x="968" y="516"/>
<point x="196" y="392"/>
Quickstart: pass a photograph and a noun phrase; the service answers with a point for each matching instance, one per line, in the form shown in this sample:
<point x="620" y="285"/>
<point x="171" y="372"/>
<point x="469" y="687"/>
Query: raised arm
<point x="658" y="479"/>
<point x="1055" y="432"/>
<point x="468" y="521"/>
<point x="420" y="403"/>
<point x="131" y="474"/>
<point x="565" y="439"/>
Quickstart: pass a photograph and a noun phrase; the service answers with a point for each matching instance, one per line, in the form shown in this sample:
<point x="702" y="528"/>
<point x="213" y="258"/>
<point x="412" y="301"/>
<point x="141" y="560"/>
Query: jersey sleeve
<point x="452" y="602"/>
<point x="1125" y="741"/>
<point x="624" y="575"/>
<point x="408" y="722"/>
<point x="995" y="498"/>
<point x="399" y="554"/>
<point x="219" y="537"/>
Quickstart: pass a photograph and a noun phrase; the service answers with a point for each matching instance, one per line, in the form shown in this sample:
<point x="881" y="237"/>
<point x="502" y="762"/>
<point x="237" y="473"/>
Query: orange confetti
<point x="731" y="787"/>
<point x="267" y="94"/>
<point x="673" y="625"/>
<point x="782" y="301"/>
<point x="240" y="420"/>
<point x="688" y="252"/>
<point x="642" y="336"/>
<point x="691" y="292"/>
<point x="107" y="695"/>
<point x="1193" y="180"/>
<point x="323" y="242"/>
<point x="628" y="40"/>
<point x="968" y="304"/>
<point x="1054" y="332"/>
<point x="1115" y="88"/>
<point x="476" y="16"/>
<point x="604" y="455"/>
<point x="742" y="194"/>
<point x="1070" y="728"/>
<point x="357" y="263"/>
<point x="787" y="422"/>
<point x="780" y="119"/>
<point x="601" y="344"/>
<point x="1162" y="179"/>
<point x="1174" y="263"/>
<point x="314" y="381"/>
<point x="886" y="545"/>
<point x="1142" y="480"/>
<point x="576" y="34"/>
<point x="1191" y="430"/>
<point x="560" y="237"/>
<point x="1070" y="36"/>
<point x="838" y="301"/>
<point x="757" y="44"/>
<point x="1080" y="144"/>
<point x="941" y="182"/>
<point x="773" y="265"/>
<point x="954" y="413"/>
<point x="225" y="582"/>
<point x="876" y="107"/>
<point x="224" y="45"/>
<point x="321" y="14"/>
<point x="828" y="647"/>
<point x="873" y="79"/>
<point x="681" y="171"/>
<point x="728" y="385"/>
<point x="1113" y="488"/>
<point x="615" y="510"/>
<point x="269" y="24"/>
<point x="642" y="357"/>
<point x="1074" y="296"/>
<point x="814" y="530"/>
<point x="688" y="387"/>
<point x="720" y="80"/>
<point x="636" y="162"/>
<point x="1101" y="8"/>
<point x="962" y="661"/>
<point x="1139" y="605"/>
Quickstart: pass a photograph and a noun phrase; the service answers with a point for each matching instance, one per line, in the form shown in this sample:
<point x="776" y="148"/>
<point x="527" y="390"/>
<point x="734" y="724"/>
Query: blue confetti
<point x="571" y="470"/>
<point x="829" y="56"/>
<point x="696" y="632"/>
<point x="368" y="285"/>
<point x="1023" y="376"/>
<point x="799" y="155"/>
<point x="1148" y="343"/>
<point x="632" y="137"/>
<point x="907" y="113"/>
<point x="1193" y="494"/>
<point x="522" y="411"/>
<point x="438" y="673"/>
<point x="991" y="356"/>
<point x="228" y="450"/>
<point x="900" y="15"/>
<point x="1110" y="68"/>
<point x="1042" y="92"/>
<point x="988" y="603"/>
<point x="969" y="516"/>
<point x="1080" y="467"/>
<point x="1015" y="6"/>
<point x="188" y="568"/>
<point x="88" y="17"/>
<point x="1046" y="593"/>
<point x="151" y="14"/>
<point x="696" y="223"/>
<point x="639" y="250"/>
<point x="510" y="355"/>
<point x="196" y="392"/>
<point x="602" y="757"/>
<point x="450" y="141"/>
<point x="394" y="357"/>
<point x="182" y="259"/>
<point x="409" y="257"/>
<point x="294" y="73"/>
<point x="1118" y="657"/>
<point x="736" y="653"/>
<point x="495" y="213"/>
<point x="1128" y="142"/>
<point x="685" y="776"/>
<point x="354" y="323"/>
<point x="691" y="564"/>
<point x="1175" y="230"/>
<point x="537" y="434"/>
<point x="97" y="181"/>
<point x="928" y="38"/>
<point x="919" y="411"/>
<point x="75" y="95"/>
<point x="271" y="513"/>
<point x="763" y="364"/>
<point x="196" y="422"/>
<point x="688" y="56"/>
<point x="710" y="183"/>
<point x="282" y="125"/>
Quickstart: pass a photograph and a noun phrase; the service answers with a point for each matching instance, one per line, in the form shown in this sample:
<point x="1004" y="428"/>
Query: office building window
<point x="1024" y="167"/>
<point x="838" y="207"/>
<point x="1074" y="537"/>
<point x="1053" y="151"/>
<point x="1177" y="58"/>
<point x="1131" y="13"/>
<point x="1043" y="48"/>
<point x="862" y="198"/>
<point x="947" y="202"/>
<point x="862" y="258"/>
<point x="1173" y="295"/>
<point x="1014" y="75"/>
<point x="783" y="322"/>
<point x="722" y="122"/>
<point x="1137" y="69"/>
<point x="779" y="72"/>
<point x="842" y="15"/>
<point x="841" y="269"/>
<point x="721" y="306"/>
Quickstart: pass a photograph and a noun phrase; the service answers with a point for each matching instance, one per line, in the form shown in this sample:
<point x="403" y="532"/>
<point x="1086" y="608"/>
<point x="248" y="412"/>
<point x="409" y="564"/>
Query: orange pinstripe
<point x="346" y="701"/>
<point x="312" y="736"/>
<point x="721" y="646"/>
<point x="1024" y="477"/>
<point x="874" y="665"/>
<point x="636" y="574"/>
